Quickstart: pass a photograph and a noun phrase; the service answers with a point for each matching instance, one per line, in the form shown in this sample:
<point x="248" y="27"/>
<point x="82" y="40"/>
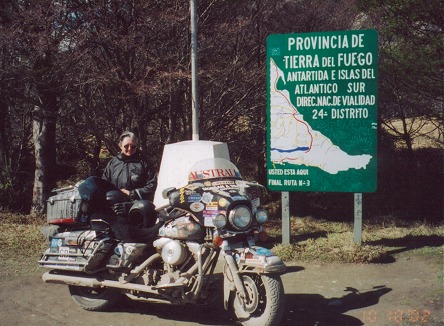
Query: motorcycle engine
<point x="173" y="253"/>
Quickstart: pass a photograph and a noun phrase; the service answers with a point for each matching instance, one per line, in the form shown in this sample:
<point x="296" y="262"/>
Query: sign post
<point x="322" y="111"/>
<point x="194" y="71"/>
<point x="286" y="227"/>
<point x="357" y="227"/>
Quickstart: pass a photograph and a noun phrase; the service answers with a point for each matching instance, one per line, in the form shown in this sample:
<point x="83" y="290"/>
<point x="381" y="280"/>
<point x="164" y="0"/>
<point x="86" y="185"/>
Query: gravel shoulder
<point x="408" y="291"/>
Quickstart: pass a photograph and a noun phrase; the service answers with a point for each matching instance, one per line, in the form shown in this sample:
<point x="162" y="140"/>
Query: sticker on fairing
<point x="238" y="198"/>
<point x="222" y="202"/>
<point x="223" y="182"/>
<point x="223" y="193"/>
<point x="212" y="206"/>
<point x="197" y="207"/>
<point x="207" y="198"/>
<point x="208" y="221"/>
<point x="193" y="198"/>
<point x="194" y="186"/>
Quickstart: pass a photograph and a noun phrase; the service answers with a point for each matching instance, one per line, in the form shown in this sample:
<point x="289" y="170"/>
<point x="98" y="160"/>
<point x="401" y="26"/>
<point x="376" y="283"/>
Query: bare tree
<point x="75" y="74"/>
<point x="33" y="38"/>
<point x="411" y="67"/>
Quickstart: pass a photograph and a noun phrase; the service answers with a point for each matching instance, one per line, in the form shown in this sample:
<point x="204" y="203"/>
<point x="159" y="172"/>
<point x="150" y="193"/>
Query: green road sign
<point x="322" y="111"/>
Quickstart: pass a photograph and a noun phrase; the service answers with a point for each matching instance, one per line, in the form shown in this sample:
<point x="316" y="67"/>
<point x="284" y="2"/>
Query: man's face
<point x="129" y="146"/>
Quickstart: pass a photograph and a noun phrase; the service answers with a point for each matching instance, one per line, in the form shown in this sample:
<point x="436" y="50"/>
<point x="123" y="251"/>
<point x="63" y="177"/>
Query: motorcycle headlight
<point x="220" y="220"/>
<point x="262" y="216"/>
<point x="241" y="217"/>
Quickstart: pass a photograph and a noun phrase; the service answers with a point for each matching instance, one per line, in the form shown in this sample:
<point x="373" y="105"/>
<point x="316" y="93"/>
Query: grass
<point x="21" y="243"/>
<point x="312" y="240"/>
<point x="382" y="241"/>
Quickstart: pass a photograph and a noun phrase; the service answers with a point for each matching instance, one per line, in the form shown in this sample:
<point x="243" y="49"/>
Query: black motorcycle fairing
<point x="217" y="196"/>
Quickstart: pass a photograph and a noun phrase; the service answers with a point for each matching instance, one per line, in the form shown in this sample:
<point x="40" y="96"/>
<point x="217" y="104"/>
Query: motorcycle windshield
<point x="213" y="168"/>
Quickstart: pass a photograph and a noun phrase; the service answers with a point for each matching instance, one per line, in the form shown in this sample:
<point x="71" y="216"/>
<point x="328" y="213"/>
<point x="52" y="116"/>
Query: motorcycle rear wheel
<point x="265" y="304"/>
<point x="94" y="299"/>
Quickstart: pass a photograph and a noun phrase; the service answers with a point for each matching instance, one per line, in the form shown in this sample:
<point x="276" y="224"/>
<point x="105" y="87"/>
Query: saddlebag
<point x="83" y="250"/>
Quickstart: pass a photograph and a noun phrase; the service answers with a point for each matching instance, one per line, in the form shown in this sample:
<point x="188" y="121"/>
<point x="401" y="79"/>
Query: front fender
<point x="260" y="260"/>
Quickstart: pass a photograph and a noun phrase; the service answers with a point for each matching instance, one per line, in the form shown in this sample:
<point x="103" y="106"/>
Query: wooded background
<point x="74" y="74"/>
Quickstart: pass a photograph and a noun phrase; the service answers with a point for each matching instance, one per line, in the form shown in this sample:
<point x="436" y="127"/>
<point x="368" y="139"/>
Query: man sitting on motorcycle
<point x="127" y="179"/>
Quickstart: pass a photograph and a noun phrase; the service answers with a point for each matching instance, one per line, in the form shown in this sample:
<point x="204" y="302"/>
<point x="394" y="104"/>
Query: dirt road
<point x="406" y="292"/>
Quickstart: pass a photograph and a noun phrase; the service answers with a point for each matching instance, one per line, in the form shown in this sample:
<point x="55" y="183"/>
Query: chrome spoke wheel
<point x="252" y="300"/>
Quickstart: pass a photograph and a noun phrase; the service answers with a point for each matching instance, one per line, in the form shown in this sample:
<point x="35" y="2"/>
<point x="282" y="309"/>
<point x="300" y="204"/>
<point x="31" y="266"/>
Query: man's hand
<point x="126" y="192"/>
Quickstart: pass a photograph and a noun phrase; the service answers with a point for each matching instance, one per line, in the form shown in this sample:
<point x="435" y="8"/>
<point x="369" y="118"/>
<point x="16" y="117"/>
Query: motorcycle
<point x="215" y="217"/>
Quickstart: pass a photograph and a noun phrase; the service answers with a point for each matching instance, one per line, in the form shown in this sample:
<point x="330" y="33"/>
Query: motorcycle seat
<point x="99" y="225"/>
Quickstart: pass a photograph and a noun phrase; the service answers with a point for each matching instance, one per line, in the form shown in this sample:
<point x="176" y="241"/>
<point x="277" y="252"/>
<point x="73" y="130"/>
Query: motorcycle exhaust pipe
<point x="89" y="282"/>
<point x="92" y="282"/>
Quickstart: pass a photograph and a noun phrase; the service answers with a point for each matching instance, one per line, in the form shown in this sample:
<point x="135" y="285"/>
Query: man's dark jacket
<point x="133" y="173"/>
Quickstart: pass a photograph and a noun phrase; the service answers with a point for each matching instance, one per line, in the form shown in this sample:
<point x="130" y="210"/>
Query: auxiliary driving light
<point x="220" y="220"/>
<point x="261" y="216"/>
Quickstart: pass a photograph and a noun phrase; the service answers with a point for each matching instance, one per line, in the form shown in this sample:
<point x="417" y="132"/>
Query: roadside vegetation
<point x="21" y="243"/>
<point x="312" y="240"/>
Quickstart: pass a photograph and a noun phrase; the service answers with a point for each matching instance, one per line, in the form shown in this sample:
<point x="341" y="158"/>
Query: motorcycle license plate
<point x="64" y="252"/>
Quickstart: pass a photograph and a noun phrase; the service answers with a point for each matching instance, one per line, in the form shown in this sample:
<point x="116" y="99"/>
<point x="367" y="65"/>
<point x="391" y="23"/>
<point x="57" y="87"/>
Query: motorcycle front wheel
<point x="265" y="302"/>
<point x="94" y="299"/>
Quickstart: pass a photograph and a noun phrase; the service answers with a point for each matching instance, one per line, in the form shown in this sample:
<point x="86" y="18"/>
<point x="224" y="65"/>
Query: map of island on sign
<point x="322" y="121"/>
<point x="294" y="141"/>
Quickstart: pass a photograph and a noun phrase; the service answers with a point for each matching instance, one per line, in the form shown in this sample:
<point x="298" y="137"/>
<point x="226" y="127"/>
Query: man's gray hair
<point x="127" y="134"/>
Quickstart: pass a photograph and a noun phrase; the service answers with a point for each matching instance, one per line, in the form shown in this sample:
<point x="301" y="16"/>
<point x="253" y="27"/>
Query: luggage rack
<point x="76" y="258"/>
